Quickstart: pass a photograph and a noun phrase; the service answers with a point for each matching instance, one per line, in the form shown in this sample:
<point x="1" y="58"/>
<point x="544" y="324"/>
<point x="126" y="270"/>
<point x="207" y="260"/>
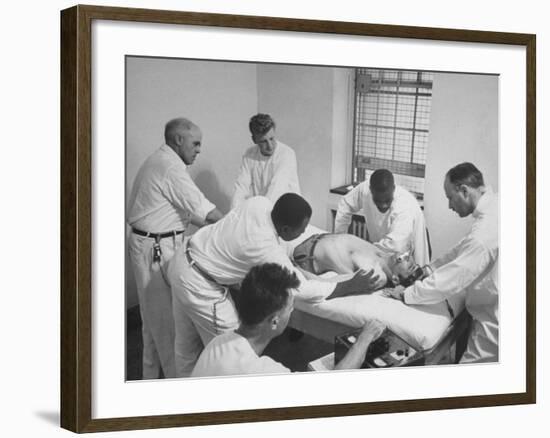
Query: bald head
<point x="179" y="126"/>
<point x="185" y="139"/>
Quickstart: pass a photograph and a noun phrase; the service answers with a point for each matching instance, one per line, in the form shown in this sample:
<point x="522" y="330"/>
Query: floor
<point x="292" y="349"/>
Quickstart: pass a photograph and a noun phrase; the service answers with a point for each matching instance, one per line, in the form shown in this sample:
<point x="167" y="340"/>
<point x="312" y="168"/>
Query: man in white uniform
<point x="269" y="168"/>
<point x="393" y="217"/>
<point x="472" y="265"/>
<point x="220" y="255"/>
<point x="264" y="305"/>
<point x="162" y="202"/>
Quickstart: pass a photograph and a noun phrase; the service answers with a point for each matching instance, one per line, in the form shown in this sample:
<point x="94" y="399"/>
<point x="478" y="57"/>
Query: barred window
<point x="392" y="117"/>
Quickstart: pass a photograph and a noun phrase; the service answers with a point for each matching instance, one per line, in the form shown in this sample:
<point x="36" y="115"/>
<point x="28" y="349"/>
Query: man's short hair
<point x="381" y="180"/>
<point x="260" y="124"/>
<point x="290" y="210"/>
<point x="175" y="126"/>
<point x="467" y="174"/>
<point x="264" y="291"/>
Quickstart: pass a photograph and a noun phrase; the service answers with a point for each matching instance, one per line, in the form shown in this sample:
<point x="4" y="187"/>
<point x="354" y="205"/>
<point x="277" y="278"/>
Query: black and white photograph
<point x="286" y="218"/>
<point x="275" y="219"/>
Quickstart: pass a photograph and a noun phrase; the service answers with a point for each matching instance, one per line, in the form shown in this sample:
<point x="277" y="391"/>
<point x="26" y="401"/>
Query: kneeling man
<point x="264" y="305"/>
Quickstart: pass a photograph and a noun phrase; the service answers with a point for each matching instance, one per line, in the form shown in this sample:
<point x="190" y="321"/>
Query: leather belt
<point x="309" y="258"/>
<point x="156" y="236"/>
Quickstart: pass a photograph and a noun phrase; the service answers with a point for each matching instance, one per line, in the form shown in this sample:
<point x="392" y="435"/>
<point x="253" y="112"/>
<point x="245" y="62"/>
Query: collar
<point x="272" y="227"/>
<point x="172" y="154"/>
<point x="269" y="220"/>
<point x="484" y="203"/>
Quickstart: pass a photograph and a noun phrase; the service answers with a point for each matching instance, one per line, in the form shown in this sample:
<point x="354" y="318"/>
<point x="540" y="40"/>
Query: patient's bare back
<point x="346" y="253"/>
<point x="334" y="252"/>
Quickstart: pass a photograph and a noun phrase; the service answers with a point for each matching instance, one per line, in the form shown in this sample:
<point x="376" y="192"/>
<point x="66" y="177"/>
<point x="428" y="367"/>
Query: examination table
<point x="439" y="331"/>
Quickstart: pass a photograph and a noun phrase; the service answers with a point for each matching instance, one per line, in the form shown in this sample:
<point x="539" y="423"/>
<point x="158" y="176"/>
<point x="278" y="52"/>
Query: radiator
<point x="357" y="227"/>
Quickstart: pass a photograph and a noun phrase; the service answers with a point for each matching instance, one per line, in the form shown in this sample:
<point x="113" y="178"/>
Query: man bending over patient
<point x="471" y="265"/>
<point x="264" y="305"/>
<point x="393" y="217"/>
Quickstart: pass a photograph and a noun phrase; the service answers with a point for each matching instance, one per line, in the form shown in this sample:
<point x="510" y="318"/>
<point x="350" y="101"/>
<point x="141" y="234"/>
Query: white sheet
<point x="420" y="325"/>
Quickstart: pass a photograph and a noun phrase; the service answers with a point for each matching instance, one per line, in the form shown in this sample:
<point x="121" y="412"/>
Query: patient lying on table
<point x="419" y="325"/>
<point x="346" y="253"/>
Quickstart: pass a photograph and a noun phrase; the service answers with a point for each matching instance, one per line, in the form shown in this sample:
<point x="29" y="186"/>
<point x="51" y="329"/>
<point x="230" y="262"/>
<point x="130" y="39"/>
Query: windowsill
<point x="345" y="189"/>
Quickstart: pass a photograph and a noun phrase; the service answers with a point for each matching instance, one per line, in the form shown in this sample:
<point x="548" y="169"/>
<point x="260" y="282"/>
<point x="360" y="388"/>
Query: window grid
<point x="392" y="116"/>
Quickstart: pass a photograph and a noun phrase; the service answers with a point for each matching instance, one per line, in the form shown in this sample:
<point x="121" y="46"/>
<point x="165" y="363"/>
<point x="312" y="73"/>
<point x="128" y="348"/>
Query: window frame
<point x="398" y="167"/>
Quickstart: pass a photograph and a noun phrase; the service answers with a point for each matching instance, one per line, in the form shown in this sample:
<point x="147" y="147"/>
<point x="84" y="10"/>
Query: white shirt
<point x="164" y="195"/>
<point x="231" y="354"/>
<point x="266" y="176"/>
<point x="244" y="238"/>
<point x="471" y="266"/>
<point x="399" y="229"/>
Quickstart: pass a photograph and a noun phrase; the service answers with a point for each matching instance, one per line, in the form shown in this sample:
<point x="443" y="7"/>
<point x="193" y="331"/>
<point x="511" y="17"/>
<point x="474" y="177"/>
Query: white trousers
<point x="202" y="310"/>
<point x="155" y="303"/>
<point x="482" y="343"/>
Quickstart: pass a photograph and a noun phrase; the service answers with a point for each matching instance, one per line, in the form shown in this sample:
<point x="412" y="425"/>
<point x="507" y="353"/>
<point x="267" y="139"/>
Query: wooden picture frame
<point x="76" y="217"/>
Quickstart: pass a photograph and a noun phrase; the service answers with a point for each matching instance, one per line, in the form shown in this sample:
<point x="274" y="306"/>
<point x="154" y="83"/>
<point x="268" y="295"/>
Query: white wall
<point x="302" y="100"/>
<point x="342" y="126"/>
<point x="218" y="97"/>
<point x="463" y="127"/>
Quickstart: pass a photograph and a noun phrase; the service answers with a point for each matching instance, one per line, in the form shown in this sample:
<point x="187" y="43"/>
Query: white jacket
<point x="244" y="238"/>
<point x="266" y="176"/>
<point x="164" y="195"/>
<point x="471" y="266"/>
<point x="401" y="228"/>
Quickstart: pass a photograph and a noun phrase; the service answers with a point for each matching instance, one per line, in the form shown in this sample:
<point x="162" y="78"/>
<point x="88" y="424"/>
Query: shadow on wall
<point x="209" y="184"/>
